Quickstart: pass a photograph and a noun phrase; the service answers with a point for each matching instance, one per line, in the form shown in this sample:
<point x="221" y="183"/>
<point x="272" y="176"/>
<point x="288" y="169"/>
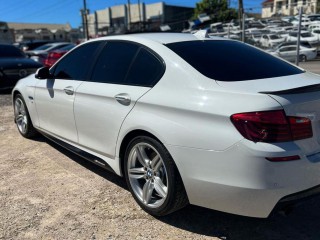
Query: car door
<point x="291" y="53"/>
<point x="123" y="73"/>
<point x="286" y="53"/>
<point x="55" y="97"/>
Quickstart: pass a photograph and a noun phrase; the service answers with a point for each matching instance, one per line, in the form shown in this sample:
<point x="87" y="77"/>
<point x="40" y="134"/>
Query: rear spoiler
<point x="305" y="89"/>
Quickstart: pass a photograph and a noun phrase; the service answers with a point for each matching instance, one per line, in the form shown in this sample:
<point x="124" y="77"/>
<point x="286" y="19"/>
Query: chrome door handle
<point x="69" y="90"/>
<point x="123" y="98"/>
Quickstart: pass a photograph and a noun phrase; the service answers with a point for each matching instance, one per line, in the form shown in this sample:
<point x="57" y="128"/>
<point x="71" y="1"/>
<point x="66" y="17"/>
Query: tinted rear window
<point x="231" y="60"/>
<point x="7" y="51"/>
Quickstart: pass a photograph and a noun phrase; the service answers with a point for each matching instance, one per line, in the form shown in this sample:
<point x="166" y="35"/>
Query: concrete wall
<point x="137" y="16"/>
<point x="92" y="24"/>
<point x="288" y="7"/>
<point x="155" y="11"/>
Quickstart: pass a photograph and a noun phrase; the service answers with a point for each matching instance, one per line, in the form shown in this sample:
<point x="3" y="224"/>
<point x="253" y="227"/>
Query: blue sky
<point x="63" y="11"/>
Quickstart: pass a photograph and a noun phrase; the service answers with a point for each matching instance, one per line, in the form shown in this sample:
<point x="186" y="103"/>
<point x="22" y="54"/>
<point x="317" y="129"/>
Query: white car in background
<point x="313" y="26"/>
<point x="271" y="40"/>
<point x="184" y="118"/>
<point x="316" y="32"/>
<point x="305" y="22"/>
<point x="289" y="53"/>
<point x="304" y="36"/>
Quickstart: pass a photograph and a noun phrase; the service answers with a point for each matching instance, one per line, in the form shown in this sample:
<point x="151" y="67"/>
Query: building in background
<point x="272" y="8"/>
<point x="44" y="31"/>
<point x="138" y="18"/>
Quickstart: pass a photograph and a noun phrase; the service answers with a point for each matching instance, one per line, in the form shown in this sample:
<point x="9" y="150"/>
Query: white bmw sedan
<point x="185" y="119"/>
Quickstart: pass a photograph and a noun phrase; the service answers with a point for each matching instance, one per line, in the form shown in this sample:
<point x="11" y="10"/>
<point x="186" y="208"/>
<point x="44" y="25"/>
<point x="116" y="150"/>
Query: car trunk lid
<point x="299" y="95"/>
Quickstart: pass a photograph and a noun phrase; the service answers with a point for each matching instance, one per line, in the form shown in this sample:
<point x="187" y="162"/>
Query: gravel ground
<point x="49" y="193"/>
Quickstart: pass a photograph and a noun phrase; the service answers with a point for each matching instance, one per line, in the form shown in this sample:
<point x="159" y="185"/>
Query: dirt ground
<point x="49" y="193"/>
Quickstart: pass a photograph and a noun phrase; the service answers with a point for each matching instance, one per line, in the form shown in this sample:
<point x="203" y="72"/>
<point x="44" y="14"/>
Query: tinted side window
<point x="77" y="63"/>
<point x="114" y="62"/>
<point x="225" y="60"/>
<point x="146" y="70"/>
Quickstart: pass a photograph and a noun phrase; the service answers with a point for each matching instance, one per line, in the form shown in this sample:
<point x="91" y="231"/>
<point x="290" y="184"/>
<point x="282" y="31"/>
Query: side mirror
<point x="43" y="73"/>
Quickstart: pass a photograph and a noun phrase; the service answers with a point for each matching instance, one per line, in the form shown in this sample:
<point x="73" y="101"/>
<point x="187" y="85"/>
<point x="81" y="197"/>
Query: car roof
<point x="163" y="38"/>
<point x="56" y="43"/>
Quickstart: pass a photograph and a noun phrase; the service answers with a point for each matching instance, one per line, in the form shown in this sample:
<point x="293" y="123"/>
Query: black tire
<point x="22" y="118"/>
<point x="158" y="205"/>
<point x="303" y="58"/>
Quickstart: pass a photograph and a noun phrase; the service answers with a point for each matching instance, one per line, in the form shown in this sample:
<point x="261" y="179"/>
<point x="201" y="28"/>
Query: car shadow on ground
<point x="110" y="176"/>
<point x="302" y="223"/>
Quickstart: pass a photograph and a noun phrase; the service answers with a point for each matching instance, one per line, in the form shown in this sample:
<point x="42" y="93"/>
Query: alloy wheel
<point x="147" y="175"/>
<point x="21" y="115"/>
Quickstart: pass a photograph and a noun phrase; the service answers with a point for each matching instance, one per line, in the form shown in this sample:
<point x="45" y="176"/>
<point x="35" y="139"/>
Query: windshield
<point x="67" y="48"/>
<point x="43" y="47"/>
<point x="7" y="51"/>
<point x="273" y="37"/>
<point x="231" y="60"/>
<point x="306" y="35"/>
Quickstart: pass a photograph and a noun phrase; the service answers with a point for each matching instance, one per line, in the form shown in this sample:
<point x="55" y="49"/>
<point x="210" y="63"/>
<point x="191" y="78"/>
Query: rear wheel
<point x="22" y="118"/>
<point x="152" y="177"/>
<point x="303" y="58"/>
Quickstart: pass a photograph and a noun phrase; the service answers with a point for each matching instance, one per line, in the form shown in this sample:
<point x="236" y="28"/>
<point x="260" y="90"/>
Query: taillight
<point x="56" y="55"/>
<point x="271" y="126"/>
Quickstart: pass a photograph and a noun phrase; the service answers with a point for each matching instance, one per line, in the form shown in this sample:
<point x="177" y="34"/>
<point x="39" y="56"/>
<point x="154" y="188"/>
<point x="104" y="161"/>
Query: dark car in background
<point x="55" y="55"/>
<point x="30" y="45"/>
<point x="14" y="65"/>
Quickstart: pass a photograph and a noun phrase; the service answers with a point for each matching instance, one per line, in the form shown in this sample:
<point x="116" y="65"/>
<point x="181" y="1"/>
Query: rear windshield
<point x="273" y="37"/>
<point x="231" y="60"/>
<point x="8" y="51"/>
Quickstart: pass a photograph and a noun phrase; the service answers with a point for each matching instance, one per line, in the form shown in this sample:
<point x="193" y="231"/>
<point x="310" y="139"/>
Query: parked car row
<point x="269" y="34"/>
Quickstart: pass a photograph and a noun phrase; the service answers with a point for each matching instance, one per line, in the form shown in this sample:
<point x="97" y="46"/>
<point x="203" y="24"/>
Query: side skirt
<point x="87" y="156"/>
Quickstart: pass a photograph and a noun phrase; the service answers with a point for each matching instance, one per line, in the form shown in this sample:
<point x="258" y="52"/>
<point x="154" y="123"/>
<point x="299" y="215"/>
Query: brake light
<point x="272" y="126"/>
<point x="56" y="55"/>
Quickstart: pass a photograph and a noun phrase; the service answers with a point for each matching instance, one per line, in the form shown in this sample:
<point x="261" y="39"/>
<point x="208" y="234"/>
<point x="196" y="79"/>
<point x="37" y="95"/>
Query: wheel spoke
<point x="160" y="188"/>
<point x="137" y="173"/>
<point x="19" y="118"/>
<point x="142" y="156"/>
<point x="23" y="126"/>
<point x="156" y="163"/>
<point x="147" y="191"/>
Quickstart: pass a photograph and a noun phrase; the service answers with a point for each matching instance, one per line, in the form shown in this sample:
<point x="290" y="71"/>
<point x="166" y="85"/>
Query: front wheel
<point x="22" y="118"/>
<point x="153" y="178"/>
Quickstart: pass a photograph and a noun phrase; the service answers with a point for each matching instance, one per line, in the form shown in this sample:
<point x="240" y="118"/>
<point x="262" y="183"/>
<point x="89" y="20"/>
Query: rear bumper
<point x="241" y="181"/>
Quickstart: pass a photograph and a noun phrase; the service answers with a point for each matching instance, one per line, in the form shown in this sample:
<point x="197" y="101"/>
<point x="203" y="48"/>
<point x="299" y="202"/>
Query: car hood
<point x="10" y="63"/>
<point x="273" y="85"/>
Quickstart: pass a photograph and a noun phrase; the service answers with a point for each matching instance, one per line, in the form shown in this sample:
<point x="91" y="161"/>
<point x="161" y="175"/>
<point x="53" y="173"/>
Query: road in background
<point x="312" y="66"/>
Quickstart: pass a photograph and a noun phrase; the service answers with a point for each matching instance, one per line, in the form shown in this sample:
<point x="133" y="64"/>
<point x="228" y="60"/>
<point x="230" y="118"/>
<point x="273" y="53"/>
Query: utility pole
<point x="243" y="39"/>
<point x="129" y="15"/>
<point x="299" y="35"/>
<point x="139" y="15"/>
<point x="240" y="16"/>
<point x="85" y="27"/>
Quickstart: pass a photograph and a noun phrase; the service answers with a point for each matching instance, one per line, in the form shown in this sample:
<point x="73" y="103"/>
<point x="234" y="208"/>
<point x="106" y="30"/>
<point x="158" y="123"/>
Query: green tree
<point x="218" y="10"/>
